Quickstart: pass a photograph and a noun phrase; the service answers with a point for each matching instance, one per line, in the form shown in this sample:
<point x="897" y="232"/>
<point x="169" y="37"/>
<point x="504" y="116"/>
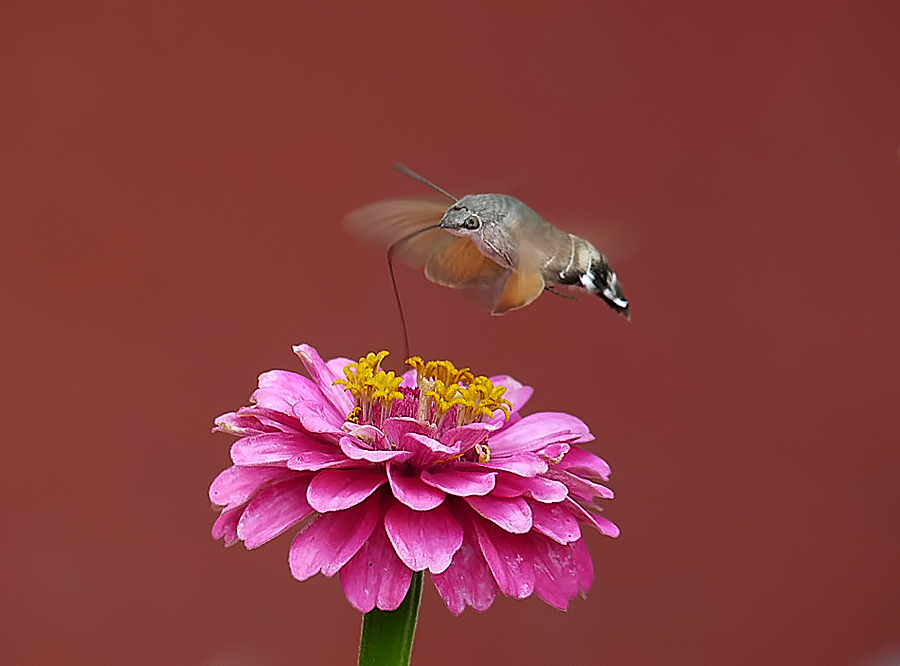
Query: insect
<point x="493" y="246"/>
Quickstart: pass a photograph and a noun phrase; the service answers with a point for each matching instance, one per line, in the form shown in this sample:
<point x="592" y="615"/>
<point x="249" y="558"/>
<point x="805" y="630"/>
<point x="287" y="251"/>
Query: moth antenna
<point x="390" y="260"/>
<point x="412" y="174"/>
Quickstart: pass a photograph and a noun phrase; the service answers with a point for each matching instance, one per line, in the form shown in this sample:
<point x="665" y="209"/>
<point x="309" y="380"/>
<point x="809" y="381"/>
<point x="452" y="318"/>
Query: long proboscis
<point x="390" y="260"/>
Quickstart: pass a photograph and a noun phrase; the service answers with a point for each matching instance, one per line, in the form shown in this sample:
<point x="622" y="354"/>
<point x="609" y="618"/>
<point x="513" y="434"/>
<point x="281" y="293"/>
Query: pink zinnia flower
<point x="434" y="470"/>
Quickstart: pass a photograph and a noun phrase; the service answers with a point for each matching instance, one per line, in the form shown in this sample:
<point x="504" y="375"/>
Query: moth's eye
<point x="472" y="222"/>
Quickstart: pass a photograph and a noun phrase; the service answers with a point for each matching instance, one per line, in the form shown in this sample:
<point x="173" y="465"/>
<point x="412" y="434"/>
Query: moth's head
<point x="473" y="212"/>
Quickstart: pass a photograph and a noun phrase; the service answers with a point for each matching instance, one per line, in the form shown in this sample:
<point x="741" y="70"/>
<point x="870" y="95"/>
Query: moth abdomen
<point x="584" y="267"/>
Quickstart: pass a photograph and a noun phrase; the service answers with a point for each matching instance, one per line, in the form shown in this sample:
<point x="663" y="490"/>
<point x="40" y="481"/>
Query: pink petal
<point x="236" y="484"/>
<point x="269" y="449"/>
<point x="465" y="437"/>
<point x="423" y="539"/>
<point x="585" y="464"/>
<point x="510" y="558"/>
<point x="324" y="378"/>
<point x="522" y="464"/>
<point x="339" y="489"/>
<point x="461" y="483"/>
<point x="556" y="578"/>
<point x="368" y="435"/>
<point x="337" y="365"/>
<point x="512" y="514"/>
<point x="279" y="389"/>
<point x="398" y="427"/>
<point x="584" y="564"/>
<point x="323" y="456"/>
<point x="319" y="418"/>
<point x="580" y="487"/>
<point x="375" y="577"/>
<point x="604" y="526"/>
<point x="426" y="450"/>
<point x="242" y="423"/>
<point x="532" y="431"/>
<point x="554" y="521"/>
<point x="412" y="491"/>
<point x="226" y="525"/>
<point x="274" y="510"/>
<point x="269" y="420"/>
<point x="329" y="541"/>
<point x="540" y="488"/>
<point x="353" y="450"/>
<point x="432" y="447"/>
<point x="467" y="580"/>
<point x="290" y="393"/>
<point x="555" y="452"/>
<point x="409" y="379"/>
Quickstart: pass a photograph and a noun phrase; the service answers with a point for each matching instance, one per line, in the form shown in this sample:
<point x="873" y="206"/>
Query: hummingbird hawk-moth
<point x="493" y="246"/>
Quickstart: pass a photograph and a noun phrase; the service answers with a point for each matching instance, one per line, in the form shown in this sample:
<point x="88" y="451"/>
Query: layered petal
<point x="412" y="491"/>
<point x="580" y="487"/>
<point x="461" y="483"/>
<point x="603" y="525"/>
<point x="468" y="580"/>
<point x="556" y="578"/>
<point x="352" y="448"/>
<point x="226" y="526"/>
<point x="328" y="542"/>
<point x="279" y="390"/>
<point x="427" y="450"/>
<point x="336" y="490"/>
<point x="510" y="557"/>
<point x="521" y="464"/>
<point x="585" y="464"/>
<point x="535" y="431"/>
<point x="375" y="577"/>
<point x="537" y="487"/>
<point x="465" y="437"/>
<point x="555" y="521"/>
<point x="324" y="376"/>
<point x="584" y="564"/>
<point x="236" y="485"/>
<point x="274" y="510"/>
<point x="242" y="423"/>
<point x="272" y="448"/>
<point x="423" y="539"/>
<point x="322" y="456"/>
<point x="512" y="514"/>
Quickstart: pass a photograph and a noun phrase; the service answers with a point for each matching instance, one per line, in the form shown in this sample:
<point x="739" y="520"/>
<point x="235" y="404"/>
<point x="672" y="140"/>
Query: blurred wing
<point x="457" y="262"/>
<point x="526" y="282"/>
<point x="521" y="290"/>
<point x="384" y="223"/>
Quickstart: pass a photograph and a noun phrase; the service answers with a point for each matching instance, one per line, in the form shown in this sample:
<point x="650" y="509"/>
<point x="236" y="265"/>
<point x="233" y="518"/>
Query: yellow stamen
<point x="444" y="371"/>
<point x="370" y="385"/>
<point x="448" y="386"/>
<point x="445" y="396"/>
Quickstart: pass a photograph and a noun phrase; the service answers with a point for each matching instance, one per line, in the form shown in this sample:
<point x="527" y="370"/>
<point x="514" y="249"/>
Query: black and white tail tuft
<point x="601" y="280"/>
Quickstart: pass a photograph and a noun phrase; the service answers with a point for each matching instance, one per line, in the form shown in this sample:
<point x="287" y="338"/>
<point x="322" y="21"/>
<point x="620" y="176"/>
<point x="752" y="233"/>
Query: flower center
<point x="444" y="395"/>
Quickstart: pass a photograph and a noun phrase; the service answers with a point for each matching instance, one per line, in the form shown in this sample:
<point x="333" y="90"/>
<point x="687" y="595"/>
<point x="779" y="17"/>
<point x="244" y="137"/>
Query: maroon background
<point x="171" y="181"/>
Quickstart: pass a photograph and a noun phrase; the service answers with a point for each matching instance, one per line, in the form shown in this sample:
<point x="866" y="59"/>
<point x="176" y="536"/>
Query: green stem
<point x="387" y="636"/>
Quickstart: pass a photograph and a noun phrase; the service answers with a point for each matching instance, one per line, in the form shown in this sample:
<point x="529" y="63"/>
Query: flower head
<point x="435" y="469"/>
